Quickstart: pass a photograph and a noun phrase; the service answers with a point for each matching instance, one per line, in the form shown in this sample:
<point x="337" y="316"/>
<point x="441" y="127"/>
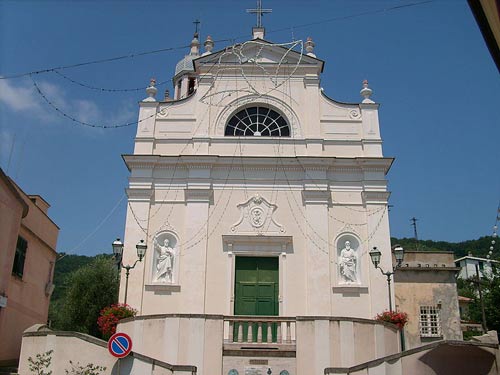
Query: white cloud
<point x="6" y="139"/>
<point x="86" y="111"/>
<point x="20" y="96"/>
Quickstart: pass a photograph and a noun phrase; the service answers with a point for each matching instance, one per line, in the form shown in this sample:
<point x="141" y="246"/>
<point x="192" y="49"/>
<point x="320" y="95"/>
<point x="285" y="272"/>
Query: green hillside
<point x="479" y="247"/>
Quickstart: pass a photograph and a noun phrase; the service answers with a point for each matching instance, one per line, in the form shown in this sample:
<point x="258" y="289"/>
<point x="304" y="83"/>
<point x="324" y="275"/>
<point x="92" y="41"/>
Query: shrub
<point x="398" y="318"/>
<point x="89" y="369"/>
<point x="41" y="363"/>
<point x="111" y="315"/>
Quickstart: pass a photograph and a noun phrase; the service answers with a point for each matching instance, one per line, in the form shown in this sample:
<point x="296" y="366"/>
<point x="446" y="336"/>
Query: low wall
<point x="447" y="357"/>
<point x="330" y="342"/>
<point x="320" y="341"/>
<point x="179" y="338"/>
<point x="84" y="349"/>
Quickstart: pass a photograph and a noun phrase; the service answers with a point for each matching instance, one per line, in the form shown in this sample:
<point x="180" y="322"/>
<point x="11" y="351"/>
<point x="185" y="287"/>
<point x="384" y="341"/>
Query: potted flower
<point x="398" y="318"/>
<point x="111" y="315"/>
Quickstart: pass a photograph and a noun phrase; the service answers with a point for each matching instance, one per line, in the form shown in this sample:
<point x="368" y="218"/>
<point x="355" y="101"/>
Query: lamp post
<point x="118" y="253"/>
<point x="375" y="256"/>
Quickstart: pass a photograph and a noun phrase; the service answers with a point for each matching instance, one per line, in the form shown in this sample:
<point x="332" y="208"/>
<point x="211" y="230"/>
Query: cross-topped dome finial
<point x="258" y="30"/>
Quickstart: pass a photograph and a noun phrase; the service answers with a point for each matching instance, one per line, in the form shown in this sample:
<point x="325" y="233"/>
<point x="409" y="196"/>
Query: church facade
<point x="257" y="195"/>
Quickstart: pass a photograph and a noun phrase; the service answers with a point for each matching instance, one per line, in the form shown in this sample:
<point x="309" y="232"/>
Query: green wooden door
<point x="256" y="288"/>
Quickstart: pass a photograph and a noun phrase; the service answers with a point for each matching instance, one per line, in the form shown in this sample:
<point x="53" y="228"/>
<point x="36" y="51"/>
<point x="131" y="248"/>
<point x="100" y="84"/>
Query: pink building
<point x="28" y="240"/>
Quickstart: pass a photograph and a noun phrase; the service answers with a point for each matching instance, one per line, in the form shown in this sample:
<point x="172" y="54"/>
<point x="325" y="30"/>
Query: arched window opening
<point x="258" y="122"/>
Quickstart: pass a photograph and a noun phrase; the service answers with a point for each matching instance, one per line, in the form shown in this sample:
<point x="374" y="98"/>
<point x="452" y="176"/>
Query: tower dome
<point x="184" y="70"/>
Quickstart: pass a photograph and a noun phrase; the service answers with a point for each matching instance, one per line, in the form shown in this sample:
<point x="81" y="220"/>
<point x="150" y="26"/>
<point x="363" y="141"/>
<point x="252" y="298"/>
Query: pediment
<point x="258" y="51"/>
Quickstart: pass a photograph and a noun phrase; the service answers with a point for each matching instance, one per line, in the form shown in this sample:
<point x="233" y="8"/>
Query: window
<point x="257" y="121"/>
<point x="430" y="324"/>
<point x="179" y="86"/>
<point x="191" y="84"/>
<point x="19" y="257"/>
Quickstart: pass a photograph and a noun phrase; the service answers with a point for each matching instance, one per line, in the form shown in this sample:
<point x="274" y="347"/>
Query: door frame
<point x="257" y="246"/>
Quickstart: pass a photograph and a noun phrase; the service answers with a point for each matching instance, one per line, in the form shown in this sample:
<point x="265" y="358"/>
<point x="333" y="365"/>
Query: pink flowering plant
<point x="398" y="318"/>
<point x="111" y="315"/>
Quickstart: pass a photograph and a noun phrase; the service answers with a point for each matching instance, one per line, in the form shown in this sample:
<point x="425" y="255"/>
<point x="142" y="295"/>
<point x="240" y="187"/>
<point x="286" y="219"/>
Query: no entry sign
<point x="120" y="345"/>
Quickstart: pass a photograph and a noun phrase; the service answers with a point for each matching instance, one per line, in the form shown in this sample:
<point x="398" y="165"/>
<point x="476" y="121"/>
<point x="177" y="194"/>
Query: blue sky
<point x="427" y="64"/>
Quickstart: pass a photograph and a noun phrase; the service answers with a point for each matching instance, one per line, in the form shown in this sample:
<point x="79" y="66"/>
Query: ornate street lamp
<point x="375" y="256"/>
<point x="118" y="253"/>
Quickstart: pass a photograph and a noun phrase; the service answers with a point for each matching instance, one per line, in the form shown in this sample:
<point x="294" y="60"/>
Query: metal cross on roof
<point x="259" y="12"/>
<point x="196" y="22"/>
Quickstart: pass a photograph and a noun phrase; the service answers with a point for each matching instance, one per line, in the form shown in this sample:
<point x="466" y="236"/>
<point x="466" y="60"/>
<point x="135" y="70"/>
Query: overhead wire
<point x="103" y="89"/>
<point x="80" y="122"/>
<point x="56" y="70"/>
<point x="168" y="49"/>
<point x="94" y="231"/>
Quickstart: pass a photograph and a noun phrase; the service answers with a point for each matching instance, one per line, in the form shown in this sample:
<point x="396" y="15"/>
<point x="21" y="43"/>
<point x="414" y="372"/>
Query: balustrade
<point x="259" y="330"/>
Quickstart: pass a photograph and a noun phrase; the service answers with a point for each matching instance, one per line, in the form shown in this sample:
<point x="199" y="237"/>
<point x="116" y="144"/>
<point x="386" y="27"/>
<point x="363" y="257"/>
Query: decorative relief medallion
<point x="162" y="113"/>
<point x="354" y="114"/>
<point x="256" y="215"/>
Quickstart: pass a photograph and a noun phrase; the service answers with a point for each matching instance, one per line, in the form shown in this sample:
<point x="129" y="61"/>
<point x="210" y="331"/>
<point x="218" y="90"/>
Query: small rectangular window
<point x="191" y="84"/>
<point x="430" y="324"/>
<point x="179" y="86"/>
<point x="20" y="257"/>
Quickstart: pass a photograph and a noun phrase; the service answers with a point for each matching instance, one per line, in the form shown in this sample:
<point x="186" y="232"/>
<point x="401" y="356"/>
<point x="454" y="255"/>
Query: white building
<point x="259" y="198"/>
<point x="468" y="265"/>
<point x="268" y="193"/>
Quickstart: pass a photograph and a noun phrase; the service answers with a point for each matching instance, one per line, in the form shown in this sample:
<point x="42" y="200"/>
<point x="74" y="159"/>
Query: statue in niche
<point x="164" y="261"/>
<point x="348" y="264"/>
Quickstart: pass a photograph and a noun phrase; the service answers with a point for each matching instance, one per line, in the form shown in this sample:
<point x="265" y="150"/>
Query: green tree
<point x="490" y="287"/>
<point x="492" y="300"/>
<point x="88" y="290"/>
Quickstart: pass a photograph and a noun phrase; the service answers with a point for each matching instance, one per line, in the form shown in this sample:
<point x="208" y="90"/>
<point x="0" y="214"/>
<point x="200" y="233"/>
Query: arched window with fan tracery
<point x="257" y="121"/>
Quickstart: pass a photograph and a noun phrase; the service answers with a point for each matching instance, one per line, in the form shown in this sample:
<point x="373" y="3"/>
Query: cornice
<point x="257" y="163"/>
<point x="139" y="193"/>
<point x="198" y="194"/>
<point x="369" y="105"/>
<point x="375" y="196"/>
<point x="316" y="196"/>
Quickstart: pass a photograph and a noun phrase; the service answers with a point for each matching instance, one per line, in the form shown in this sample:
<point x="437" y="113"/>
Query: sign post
<point x="120" y="345"/>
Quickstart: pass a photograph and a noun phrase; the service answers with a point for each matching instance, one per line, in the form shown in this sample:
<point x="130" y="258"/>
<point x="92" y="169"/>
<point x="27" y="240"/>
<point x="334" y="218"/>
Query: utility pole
<point x="415" y="235"/>
<point x="481" y="301"/>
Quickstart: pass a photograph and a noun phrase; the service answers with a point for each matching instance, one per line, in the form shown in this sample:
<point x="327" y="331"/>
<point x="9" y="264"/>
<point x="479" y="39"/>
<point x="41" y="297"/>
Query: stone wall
<point x="83" y="349"/>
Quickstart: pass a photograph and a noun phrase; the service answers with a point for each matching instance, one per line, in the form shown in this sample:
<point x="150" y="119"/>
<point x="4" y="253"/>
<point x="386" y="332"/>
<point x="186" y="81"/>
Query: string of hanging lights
<point x="494" y="235"/>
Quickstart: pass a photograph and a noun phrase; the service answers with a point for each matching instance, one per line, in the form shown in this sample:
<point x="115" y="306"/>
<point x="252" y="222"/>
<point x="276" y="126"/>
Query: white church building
<point x="259" y="198"/>
<point x="248" y="186"/>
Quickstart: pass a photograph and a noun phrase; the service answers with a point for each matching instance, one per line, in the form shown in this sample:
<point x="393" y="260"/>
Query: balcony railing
<point x="259" y="330"/>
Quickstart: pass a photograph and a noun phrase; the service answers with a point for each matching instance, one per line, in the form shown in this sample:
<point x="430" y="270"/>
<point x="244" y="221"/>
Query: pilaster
<point x="371" y="130"/>
<point x="136" y="229"/>
<point x="145" y="127"/>
<point x="192" y="277"/>
<point x="378" y="235"/>
<point x="317" y="260"/>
